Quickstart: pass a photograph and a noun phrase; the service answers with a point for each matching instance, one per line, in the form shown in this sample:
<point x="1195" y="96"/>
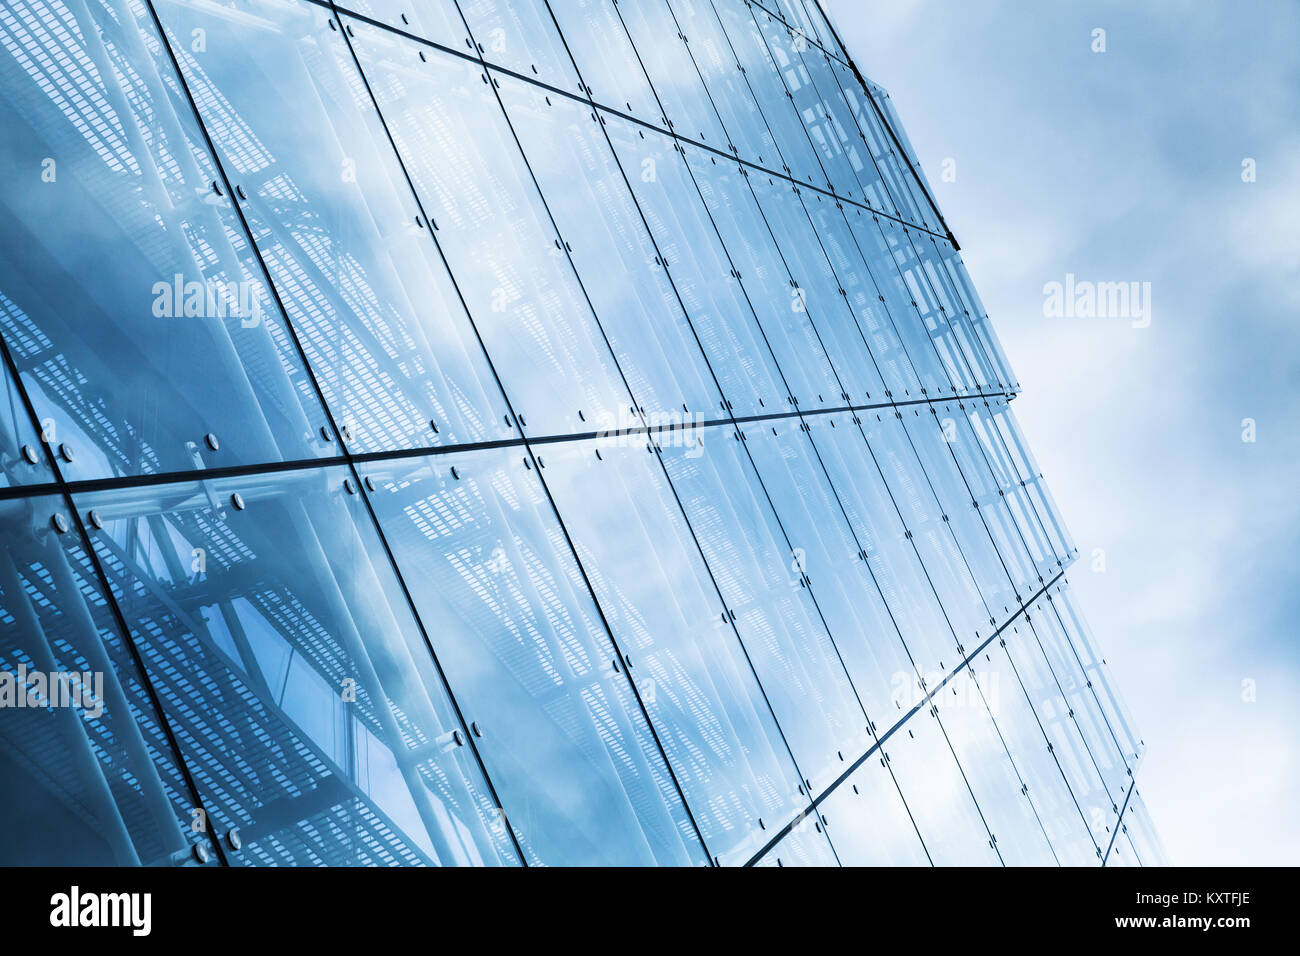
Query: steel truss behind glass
<point x="513" y="432"/>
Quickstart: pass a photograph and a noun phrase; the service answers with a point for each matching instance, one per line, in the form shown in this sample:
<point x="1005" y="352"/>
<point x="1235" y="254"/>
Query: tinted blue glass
<point x="937" y="794"/>
<point x="1063" y="820"/>
<point x="305" y="699"/>
<point x="520" y="35"/>
<point x="131" y="368"/>
<point x="1097" y="675"/>
<point x="438" y="21"/>
<point x="981" y="416"/>
<point x="682" y="650"/>
<point x="475" y="481"/>
<point x="335" y="220"/>
<point x="973" y="311"/>
<point x="611" y="249"/>
<point x="788" y="48"/>
<point x="606" y="59"/>
<point x="504" y="251"/>
<point x="805" y="845"/>
<point x="922" y="515"/>
<point x="729" y="90"/>
<point x="889" y="552"/>
<point x="1048" y="696"/>
<point x="564" y="738"/>
<point x="22" y="459"/>
<point x="815" y="289"/>
<point x="796" y="157"/>
<point x="700" y="269"/>
<point x="761" y="581"/>
<point x="673" y="75"/>
<point x="1084" y="706"/>
<point x="782" y="309"/>
<point x="961" y="512"/>
<point x="826" y="551"/>
<point x="913" y="333"/>
<point x="868" y="823"/>
<point x="87" y="776"/>
<point x="1142" y="834"/>
<point x="993" y="777"/>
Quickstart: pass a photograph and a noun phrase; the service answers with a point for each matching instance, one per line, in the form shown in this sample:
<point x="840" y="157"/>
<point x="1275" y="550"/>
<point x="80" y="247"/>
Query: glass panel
<point x="854" y="352"/>
<point x="960" y="513"/>
<point x="700" y="269"/>
<point x="1057" y="720"/>
<point x="923" y="518"/>
<point x="880" y="146"/>
<point x="682" y="652"/>
<point x="1142" y="834"/>
<point x="727" y="86"/>
<point x="87" y="775"/>
<point x="998" y="787"/>
<point x="662" y="51"/>
<point x="305" y="699"/>
<point x="1098" y="675"/>
<point x="937" y="796"/>
<point x="762" y="585"/>
<point x="900" y="307"/>
<point x="816" y="286"/>
<point x="826" y="554"/>
<point x="933" y="319"/>
<point x="334" y="217"/>
<point x="521" y="36"/>
<point x="787" y="49"/>
<point x="1082" y="701"/>
<point x="564" y="736"/>
<point x="973" y="310"/>
<point x="804" y="845"/>
<point x="889" y="554"/>
<point x="782" y="309"/>
<point x="1066" y="827"/>
<point x="22" y="459"/>
<point x="175" y="359"/>
<point x="610" y="247"/>
<point x="867" y="822"/>
<point x="796" y="154"/>
<point x="607" y="61"/>
<point x="982" y="417"/>
<point x="436" y="20"/>
<point x="503" y="249"/>
<point x="916" y="183"/>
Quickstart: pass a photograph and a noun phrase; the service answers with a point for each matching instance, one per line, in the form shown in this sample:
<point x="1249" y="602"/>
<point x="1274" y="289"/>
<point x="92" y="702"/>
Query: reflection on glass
<point x="177" y="357"/>
<point x="87" y="775"/>
<point x="305" y="698"/>
<point x="563" y="732"/>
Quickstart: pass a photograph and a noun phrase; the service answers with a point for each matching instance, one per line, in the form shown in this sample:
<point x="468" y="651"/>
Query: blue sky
<point x="1127" y="165"/>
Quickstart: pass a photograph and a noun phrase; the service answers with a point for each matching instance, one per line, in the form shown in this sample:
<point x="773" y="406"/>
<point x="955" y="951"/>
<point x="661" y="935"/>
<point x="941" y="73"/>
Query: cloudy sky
<point x="1127" y="165"/>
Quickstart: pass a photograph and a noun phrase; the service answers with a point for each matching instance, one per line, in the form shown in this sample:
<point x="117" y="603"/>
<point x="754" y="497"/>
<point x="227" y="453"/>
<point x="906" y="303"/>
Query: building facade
<point x="513" y="432"/>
